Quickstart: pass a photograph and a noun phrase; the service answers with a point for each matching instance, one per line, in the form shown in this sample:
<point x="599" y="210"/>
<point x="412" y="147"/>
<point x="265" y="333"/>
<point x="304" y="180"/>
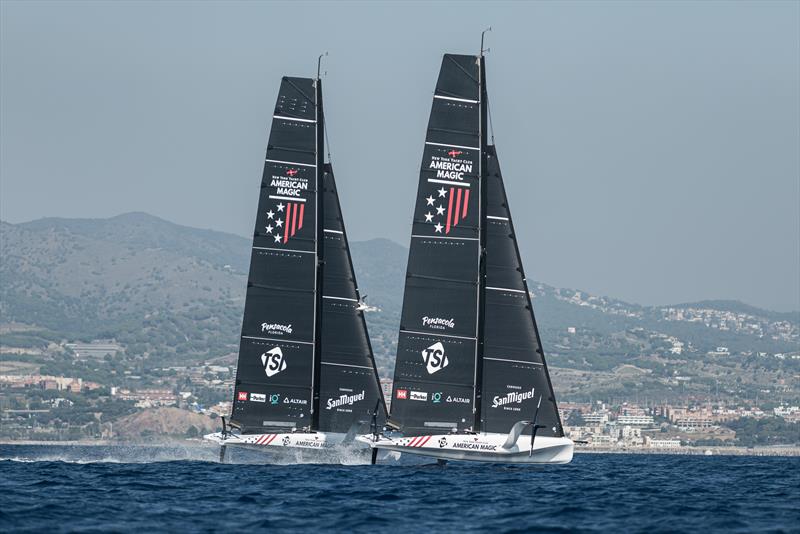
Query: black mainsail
<point x="469" y="356"/>
<point x="305" y="362"/>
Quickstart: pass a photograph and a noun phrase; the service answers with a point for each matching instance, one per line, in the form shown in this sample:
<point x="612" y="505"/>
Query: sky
<point x="650" y="149"/>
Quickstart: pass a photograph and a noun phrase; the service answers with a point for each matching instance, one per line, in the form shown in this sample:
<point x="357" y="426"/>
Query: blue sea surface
<point x="103" y="489"/>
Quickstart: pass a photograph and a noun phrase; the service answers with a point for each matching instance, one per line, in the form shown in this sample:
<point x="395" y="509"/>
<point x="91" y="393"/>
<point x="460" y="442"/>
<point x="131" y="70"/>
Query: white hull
<point x="479" y="448"/>
<point x="306" y="445"/>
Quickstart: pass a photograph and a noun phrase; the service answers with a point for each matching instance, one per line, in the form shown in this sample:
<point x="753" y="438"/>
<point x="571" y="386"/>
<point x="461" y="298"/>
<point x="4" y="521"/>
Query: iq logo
<point x="436" y="397"/>
<point x="274" y="398"/>
<point x="273" y="361"/>
<point x="435" y="358"/>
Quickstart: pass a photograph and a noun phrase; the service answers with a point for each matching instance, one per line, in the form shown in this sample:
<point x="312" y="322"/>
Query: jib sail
<point x="436" y="355"/>
<point x="514" y="370"/>
<point x="275" y="373"/>
<point x="349" y="389"/>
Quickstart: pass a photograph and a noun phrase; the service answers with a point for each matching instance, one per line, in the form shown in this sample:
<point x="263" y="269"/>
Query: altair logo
<point x="273" y="361"/>
<point x="435" y="358"/>
<point x="348" y="400"/>
<point x="512" y="398"/>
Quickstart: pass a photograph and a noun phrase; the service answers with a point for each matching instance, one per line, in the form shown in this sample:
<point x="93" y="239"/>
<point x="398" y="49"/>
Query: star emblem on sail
<point x="285" y="219"/>
<point x="455" y="197"/>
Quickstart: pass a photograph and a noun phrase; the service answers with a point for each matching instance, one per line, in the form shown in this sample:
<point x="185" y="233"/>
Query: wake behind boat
<point x="306" y="379"/>
<point x="470" y="381"/>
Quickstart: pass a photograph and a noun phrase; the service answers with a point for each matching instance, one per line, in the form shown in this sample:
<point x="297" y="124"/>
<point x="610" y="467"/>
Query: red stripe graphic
<point x="458" y="207"/>
<point x="287" y="222"/>
<point x="413" y="441"/>
<point x="449" y="211"/>
<point x="300" y="222"/>
<point x="423" y="442"/>
<point x="466" y="201"/>
<point x="294" y="218"/>
<point x="271" y="438"/>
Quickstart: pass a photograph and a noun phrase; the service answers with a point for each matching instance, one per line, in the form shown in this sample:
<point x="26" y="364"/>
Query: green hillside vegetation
<point x="173" y="295"/>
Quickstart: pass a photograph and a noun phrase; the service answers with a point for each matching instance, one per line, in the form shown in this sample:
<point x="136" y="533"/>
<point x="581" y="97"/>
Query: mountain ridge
<point x="234" y="242"/>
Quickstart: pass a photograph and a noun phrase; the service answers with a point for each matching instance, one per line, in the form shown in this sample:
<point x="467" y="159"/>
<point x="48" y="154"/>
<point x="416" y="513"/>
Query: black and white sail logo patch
<point x="273" y="361"/>
<point x="435" y="358"/>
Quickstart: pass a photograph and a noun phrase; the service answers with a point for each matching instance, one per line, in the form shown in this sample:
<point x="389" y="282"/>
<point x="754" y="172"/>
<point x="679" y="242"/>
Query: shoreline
<point x="778" y="450"/>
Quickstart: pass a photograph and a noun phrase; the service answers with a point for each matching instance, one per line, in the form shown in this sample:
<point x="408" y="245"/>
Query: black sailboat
<point x="306" y="376"/>
<point x="470" y="381"/>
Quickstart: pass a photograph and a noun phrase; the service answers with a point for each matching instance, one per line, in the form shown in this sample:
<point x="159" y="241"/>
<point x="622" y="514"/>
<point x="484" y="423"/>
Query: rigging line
<point x="327" y="141"/>
<point x="489" y="112"/>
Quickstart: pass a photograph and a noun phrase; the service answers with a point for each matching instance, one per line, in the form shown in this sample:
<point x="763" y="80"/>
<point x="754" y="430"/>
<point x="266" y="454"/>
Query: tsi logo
<point x="434" y="357"/>
<point x="273" y="361"/>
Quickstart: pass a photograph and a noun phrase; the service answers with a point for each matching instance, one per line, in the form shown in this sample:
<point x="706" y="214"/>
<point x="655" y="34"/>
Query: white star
<point x="428" y="217"/>
<point x="280" y="207"/>
<point x="277" y="239"/>
<point x="269" y="228"/>
<point x="438" y="227"/>
<point x="439" y="210"/>
<point x="270" y="214"/>
<point x="278" y="223"/>
<point x="442" y="192"/>
<point x="430" y="200"/>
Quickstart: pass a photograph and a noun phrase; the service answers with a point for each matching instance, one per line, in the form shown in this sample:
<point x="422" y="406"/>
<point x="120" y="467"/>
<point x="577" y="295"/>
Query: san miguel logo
<point x="345" y="400"/>
<point x="273" y="361"/>
<point x="285" y="217"/>
<point x="435" y="358"/>
<point x="515" y="397"/>
<point x="447" y="202"/>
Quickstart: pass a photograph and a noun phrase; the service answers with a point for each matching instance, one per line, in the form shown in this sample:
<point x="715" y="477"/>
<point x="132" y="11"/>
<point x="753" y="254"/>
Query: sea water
<point x="141" y="489"/>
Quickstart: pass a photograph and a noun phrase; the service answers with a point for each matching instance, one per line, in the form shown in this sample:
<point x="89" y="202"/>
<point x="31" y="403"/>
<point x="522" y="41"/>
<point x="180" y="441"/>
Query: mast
<point x="320" y="250"/>
<point x="482" y="166"/>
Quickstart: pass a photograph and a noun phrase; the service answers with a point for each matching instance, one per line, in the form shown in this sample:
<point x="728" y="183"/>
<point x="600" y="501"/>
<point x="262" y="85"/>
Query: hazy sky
<point x="650" y="150"/>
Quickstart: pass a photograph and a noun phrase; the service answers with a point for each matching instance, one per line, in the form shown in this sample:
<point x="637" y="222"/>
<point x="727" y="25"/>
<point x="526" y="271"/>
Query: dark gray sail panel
<point x="441" y="289"/>
<point x="276" y="349"/>
<point x="269" y="371"/>
<point x="428" y="365"/>
<point x="280" y="296"/>
<point x="349" y="390"/>
<point x="514" y="371"/>
<point x="293" y="136"/>
<point x="436" y="347"/>
<point x="459" y="77"/>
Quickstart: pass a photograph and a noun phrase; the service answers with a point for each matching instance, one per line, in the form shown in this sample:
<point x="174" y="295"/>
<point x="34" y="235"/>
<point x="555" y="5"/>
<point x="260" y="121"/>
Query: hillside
<point x="173" y="295"/>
